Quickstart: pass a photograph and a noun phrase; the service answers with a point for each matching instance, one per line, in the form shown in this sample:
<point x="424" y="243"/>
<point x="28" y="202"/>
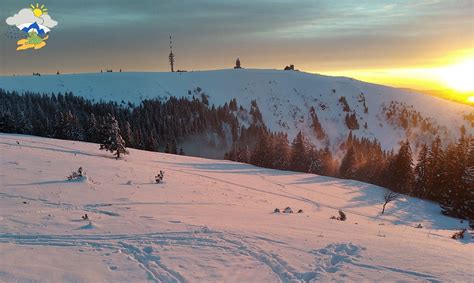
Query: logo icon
<point x="35" y="23"/>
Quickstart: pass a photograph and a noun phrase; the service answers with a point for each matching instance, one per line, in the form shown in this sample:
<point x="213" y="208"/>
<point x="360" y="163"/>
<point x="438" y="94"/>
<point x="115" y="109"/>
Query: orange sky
<point x="424" y="44"/>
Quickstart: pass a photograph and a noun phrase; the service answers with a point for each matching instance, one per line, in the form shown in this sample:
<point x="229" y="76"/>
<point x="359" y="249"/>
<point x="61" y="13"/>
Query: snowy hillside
<point x="285" y="99"/>
<point x="209" y="221"/>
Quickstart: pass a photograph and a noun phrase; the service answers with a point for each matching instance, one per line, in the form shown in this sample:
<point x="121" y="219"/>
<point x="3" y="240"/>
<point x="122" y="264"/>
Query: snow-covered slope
<point x="284" y="98"/>
<point x="209" y="221"/>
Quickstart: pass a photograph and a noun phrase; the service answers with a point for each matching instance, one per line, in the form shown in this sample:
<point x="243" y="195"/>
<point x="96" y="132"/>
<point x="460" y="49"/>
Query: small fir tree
<point x="112" y="141"/>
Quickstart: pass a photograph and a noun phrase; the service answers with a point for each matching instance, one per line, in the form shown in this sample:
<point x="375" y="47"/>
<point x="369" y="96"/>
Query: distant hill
<point x="286" y="100"/>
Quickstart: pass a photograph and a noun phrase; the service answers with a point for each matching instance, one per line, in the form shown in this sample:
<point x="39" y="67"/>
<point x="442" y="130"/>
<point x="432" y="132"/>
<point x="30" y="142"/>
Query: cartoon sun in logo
<point x="35" y="23"/>
<point x="38" y="11"/>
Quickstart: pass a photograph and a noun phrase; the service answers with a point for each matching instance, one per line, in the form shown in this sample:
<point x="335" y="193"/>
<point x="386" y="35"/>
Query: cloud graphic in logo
<point x="26" y="16"/>
<point x="48" y="21"/>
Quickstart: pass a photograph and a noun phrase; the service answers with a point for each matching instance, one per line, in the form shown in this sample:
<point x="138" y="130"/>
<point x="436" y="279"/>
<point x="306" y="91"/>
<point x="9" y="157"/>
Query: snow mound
<point x="89" y="226"/>
<point x="81" y="179"/>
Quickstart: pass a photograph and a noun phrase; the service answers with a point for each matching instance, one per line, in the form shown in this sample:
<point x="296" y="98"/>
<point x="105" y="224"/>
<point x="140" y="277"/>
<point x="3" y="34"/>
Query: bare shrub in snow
<point x="342" y="216"/>
<point x="76" y="175"/>
<point x="288" y="210"/>
<point x="389" y="197"/>
<point x="459" y="235"/>
<point x="159" y="178"/>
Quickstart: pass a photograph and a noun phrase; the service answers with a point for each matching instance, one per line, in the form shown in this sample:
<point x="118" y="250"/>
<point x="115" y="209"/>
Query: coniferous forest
<point x="444" y="174"/>
<point x="153" y="125"/>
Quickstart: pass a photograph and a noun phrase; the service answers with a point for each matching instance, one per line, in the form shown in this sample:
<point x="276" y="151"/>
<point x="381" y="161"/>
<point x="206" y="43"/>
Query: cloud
<point x="48" y="22"/>
<point x="26" y="16"/>
<point x="23" y="17"/>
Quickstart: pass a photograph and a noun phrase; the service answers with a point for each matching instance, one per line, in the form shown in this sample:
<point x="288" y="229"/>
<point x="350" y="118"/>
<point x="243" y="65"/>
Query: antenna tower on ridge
<point x="171" y="56"/>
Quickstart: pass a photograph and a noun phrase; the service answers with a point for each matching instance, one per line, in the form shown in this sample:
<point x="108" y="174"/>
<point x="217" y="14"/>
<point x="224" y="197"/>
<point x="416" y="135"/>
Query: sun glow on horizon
<point x="452" y="77"/>
<point x="458" y="76"/>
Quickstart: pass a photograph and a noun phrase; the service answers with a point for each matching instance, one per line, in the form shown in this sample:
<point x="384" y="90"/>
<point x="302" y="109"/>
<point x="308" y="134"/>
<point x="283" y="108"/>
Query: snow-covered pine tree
<point x="343" y="102"/>
<point x="299" y="159"/>
<point x="457" y="189"/>
<point x="243" y="154"/>
<point x="318" y="129"/>
<point x="421" y="173"/>
<point x="58" y="127"/>
<point x="112" y="140"/>
<point x="92" y="133"/>
<point x="315" y="162"/>
<point x="401" y="175"/>
<point x="255" y="112"/>
<point x="71" y="128"/>
<point x="351" y="121"/>
<point x="468" y="181"/>
<point x="233" y="105"/>
<point x="329" y="166"/>
<point x="281" y="151"/>
<point x="262" y="153"/>
<point x="128" y="136"/>
<point x="7" y="123"/>
<point x="435" y="160"/>
<point x="452" y="188"/>
<point x="22" y="125"/>
<point x="348" y="164"/>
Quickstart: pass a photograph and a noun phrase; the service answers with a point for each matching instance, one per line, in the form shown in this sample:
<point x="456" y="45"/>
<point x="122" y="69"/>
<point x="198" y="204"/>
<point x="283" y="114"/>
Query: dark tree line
<point x="443" y="175"/>
<point x="153" y="125"/>
<point x="260" y="147"/>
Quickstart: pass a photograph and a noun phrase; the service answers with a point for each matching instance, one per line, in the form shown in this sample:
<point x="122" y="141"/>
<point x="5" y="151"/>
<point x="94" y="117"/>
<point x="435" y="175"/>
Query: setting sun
<point x="458" y="76"/>
<point x="450" y="77"/>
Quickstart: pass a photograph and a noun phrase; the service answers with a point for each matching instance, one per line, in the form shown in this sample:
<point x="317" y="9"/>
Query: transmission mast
<point x="171" y="56"/>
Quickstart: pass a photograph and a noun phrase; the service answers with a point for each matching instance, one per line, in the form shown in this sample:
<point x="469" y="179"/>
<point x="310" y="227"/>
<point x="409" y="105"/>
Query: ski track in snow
<point x="297" y="197"/>
<point x="144" y="249"/>
<point x="333" y="257"/>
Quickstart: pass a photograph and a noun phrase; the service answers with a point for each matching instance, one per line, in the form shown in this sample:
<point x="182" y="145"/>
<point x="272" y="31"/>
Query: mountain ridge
<point x="285" y="99"/>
